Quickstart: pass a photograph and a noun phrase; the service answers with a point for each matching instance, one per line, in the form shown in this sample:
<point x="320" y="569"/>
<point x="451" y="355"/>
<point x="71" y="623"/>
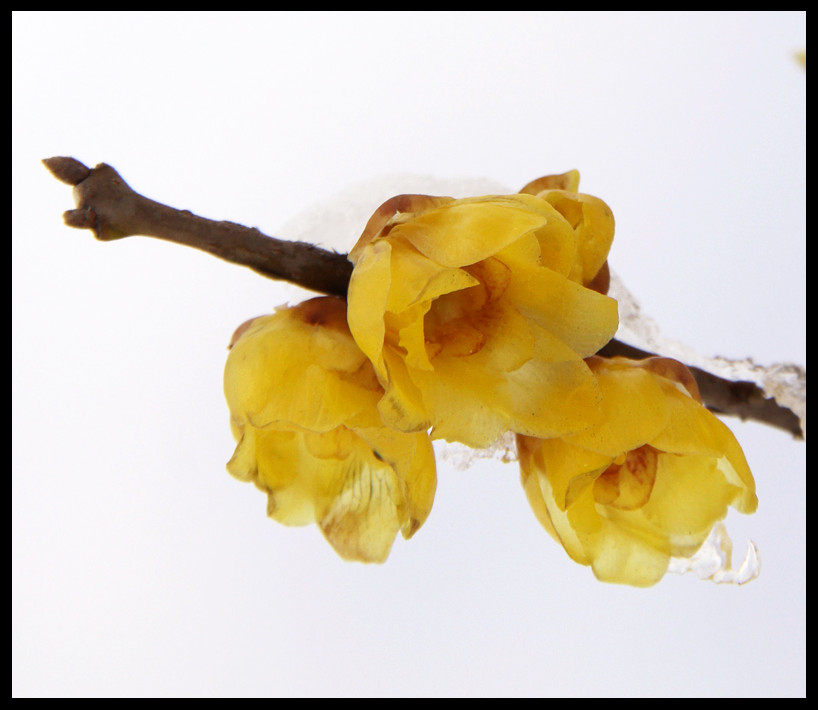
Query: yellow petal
<point x="569" y="469"/>
<point x="583" y="319"/>
<point x="593" y="223"/>
<point x="470" y="230"/>
<point x="692" y="429"/>
<point x="304" y="407"/>
<point x="634" y="407"/>
<point x="629" y="485"/>
<point x="363" y="517"/>
<point x="525" y="254"/>
<point x="549" y="399"/>
<point x="622" y="557"/>
<point x="475" y="397"/>
<point x="564" y="181"/>
<point x="338" y="443"/>
<point x="242" y="465"/>
<point x="690" y="495"/>
<point x="301" y="366"/>
<point x="358" y="498"/>
<point x="420" y="278"/>
<point x="400" y="206"/>
<point x="421" y="483"/>
<point x="303" y="394"/>
<point x="412" y="457"/>
<point x="410" y="328"/>
<point x="526" y="448"/>
<point x="669" y="369"/>
<point x="367" y="296"/>
<point x="576" y="526"/>
<point x="289" y="475"/>
<point x="496" y="338"/>
<point x="460" y="402"/>
<point x="402" y="405"/>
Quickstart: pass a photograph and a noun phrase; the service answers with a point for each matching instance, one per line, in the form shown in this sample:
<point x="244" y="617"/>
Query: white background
<point x="140" y="567"/>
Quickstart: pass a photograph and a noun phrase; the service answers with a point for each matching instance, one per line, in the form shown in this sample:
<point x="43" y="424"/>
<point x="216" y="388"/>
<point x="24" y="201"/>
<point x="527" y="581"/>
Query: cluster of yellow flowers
<point x="466" y="319"/>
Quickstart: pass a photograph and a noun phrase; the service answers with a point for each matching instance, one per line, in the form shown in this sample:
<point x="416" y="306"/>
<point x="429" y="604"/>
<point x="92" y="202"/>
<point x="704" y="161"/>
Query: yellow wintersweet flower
<point x="475" y="315"/>
<point x="303" y="405"/>
<point x="647" y="483"/>
<point x="592" y="221"/>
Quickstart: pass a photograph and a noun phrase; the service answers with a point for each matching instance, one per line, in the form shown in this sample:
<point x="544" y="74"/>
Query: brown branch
<point x="112" y="210"/>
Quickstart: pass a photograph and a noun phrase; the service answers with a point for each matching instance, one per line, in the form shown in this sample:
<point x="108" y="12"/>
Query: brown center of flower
<point x="627" y="485"/>
<point x="459" y="323"/>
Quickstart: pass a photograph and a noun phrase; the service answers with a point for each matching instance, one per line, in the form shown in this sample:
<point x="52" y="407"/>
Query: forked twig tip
<point x="68" y="170"/>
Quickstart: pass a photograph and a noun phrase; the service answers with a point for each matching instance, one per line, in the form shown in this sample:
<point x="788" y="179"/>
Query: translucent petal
<point x="474" y="398"/>
<point x="691" y="428"/>
<point x="689" y="496"/>
<point x="363" y="516"/>
<point x="402" y="405"/>
<point x="669" y="369"/>
<point x="564" y="181"/>
<point x="509" y="339"/>
<point x="575" y="526"/>
<point x="399" y="205"/>
<point x="558" y="246"/>
<point x="551" y="398"/>
<point x="358" y="497"/>
<point x="410" y="327"/>
<point x="242" y="465"/>
<point x="501" y="344"/>
<point x="412" y="457"/>
<point x="583" y="319"/>
<point x="469" y="230"/>
<point x="622" y="557"/>
<point x="421" y="279"/>
<point x="525" y="253"/>
<point x="531" y="486"/>
<point x="461" y="401"/>
<point x="735" y="470"/>
<point x="339" y="443"/>
<point x="497" y="337"/>
<point x="634" y="407"/>
<point x="421" y="484"/>
<point x="301" y="366"/>
<point x="304" y="406"/>
<point x="368" y="292"/>
<point x="593" y="223"/>
<point x="569" y="469"/>
<point x="629" y="485"/>
<point x="306" y="395"/>
<point x="289" y="475"/>
<point x="694" y="429"/>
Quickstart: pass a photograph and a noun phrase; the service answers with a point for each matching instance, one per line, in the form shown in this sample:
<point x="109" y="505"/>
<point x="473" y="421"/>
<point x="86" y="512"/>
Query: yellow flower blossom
<point x="475" y="312"/>
<point x="592" y="221"/>
<point x="646" y="483"/>
<point x="303" y="405"/>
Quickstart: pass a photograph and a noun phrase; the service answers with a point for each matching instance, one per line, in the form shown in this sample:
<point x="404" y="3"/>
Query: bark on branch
<point x="112" y="210"/>
<point x="106" y="205"/>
